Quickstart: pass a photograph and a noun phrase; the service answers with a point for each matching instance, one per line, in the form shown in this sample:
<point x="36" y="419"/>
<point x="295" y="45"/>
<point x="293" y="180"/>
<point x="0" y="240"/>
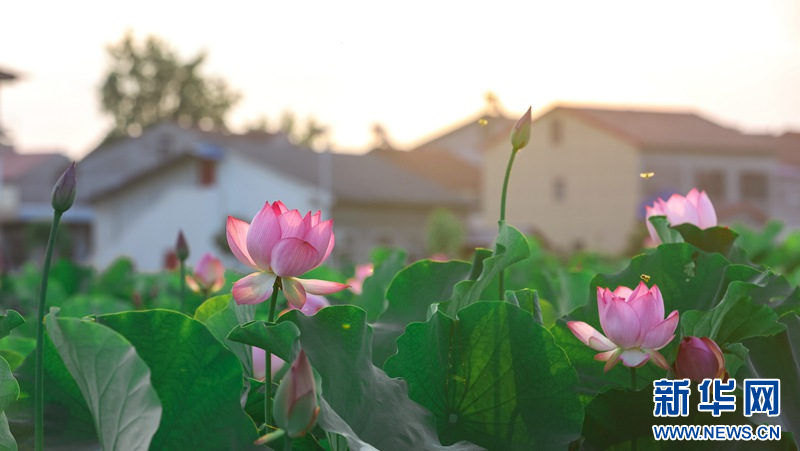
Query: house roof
<point x="657" y="130"/>
<point x="362" y="179"/>
<point x="788" y="147"/>
<point x="15" y="165"/>
<point x="470" y="137"/>
<point x="442" y="166"/>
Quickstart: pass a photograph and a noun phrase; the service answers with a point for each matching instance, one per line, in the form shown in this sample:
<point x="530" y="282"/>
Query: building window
<point x="713" y="183"/>
<point x="207" y="173"/>
<point x="559" y="189"/>
<point x="555" y="132"/>
<point x="753" y="186"/>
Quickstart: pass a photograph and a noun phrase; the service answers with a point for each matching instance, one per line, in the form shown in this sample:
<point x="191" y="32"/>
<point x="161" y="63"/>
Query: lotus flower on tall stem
<point x="182" y="252"/>
<point x="634" y="325"/>
<point x="62" y="198"/>
<point x="520" y="135"/>
<point x="280" y="244"/>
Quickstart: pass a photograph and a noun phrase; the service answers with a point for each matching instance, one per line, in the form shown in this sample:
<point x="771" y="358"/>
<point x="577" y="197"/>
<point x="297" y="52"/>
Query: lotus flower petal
<point x="236" y="231"/>
<point x="661" y="334"/>
<point x="264" y="234"/>
<point x="292" y="225"/>
<point x="254" y="288"/>
<point x="590" y="336"/>
<point x="294" y="292"/>
<point x="658" y="359"/>
<point x="293" y="257"/>
<point x="621" y="324"/>
<point x="634" y="358"/>
<point x="320" y="236"/>
<point x="316" y="286"/>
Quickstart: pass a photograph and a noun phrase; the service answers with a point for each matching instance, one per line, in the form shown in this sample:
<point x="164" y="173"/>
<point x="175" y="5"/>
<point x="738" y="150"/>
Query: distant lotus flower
<point x="64" y="190"/>
<point x="260" y="366"/>
<point x="696" y="208"/>
<point x="634" y="322"/>
<point x="698" y="359"/>
<point x="295" y="409"/>
<point x="281" y="243"/>
<point x="208" y="277"/>
<point x="362" y="272"/>
<point x="521" y="133"/>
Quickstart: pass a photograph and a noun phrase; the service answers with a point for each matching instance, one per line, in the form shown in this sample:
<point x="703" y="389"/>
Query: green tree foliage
<point x="146" y="83"/>
<point x="445" y="233"/>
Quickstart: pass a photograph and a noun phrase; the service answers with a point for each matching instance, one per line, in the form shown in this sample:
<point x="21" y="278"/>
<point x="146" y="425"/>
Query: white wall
<point x="142" y="220"/>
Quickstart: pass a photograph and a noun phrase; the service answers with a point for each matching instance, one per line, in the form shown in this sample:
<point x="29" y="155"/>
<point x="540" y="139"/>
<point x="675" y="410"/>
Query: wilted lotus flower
<point x="282" y="243"/>
<point x="696" y="208"/>
<point x="295" y="408"/>
<point x="634" y="322"/>
<point x="698" y="359"/>
<point x="362" y="272"/>
<point x="208" y="277"/>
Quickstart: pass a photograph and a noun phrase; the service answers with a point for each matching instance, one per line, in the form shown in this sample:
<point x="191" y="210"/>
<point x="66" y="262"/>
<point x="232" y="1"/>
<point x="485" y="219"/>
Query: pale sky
<point x="414" y="66"/>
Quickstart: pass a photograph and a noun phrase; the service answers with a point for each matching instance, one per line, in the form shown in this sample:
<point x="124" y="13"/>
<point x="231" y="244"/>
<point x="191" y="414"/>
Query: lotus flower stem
<point x="39" y="378"/>
<point x="183" y="284"/>
<point x="634" y="444"/>
<point x="268" y="360"/>
<point x="503" y="210"/>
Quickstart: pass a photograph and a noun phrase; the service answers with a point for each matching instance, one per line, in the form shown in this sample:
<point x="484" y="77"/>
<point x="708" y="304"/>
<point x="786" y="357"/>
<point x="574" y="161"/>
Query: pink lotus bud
<point x="295" y="409"/>
<point x="181" y="248"/>
<point x="521" y="133"/>
<point x="698" y="359"/>
<point x="696" y="208"/>
<point x="208" y="276"/>
<point x="634" y="325"/>
<point x="260" y="364"/>
<point x="64" y="190"/>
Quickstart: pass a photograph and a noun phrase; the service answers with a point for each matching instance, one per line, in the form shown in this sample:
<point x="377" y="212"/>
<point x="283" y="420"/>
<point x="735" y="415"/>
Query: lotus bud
<point x="64" y="190"/>
<point x="521" y="133"/>
<point x="698" y="359"/>
<point x="295" y="409"/>
<point x="181" y="248"/>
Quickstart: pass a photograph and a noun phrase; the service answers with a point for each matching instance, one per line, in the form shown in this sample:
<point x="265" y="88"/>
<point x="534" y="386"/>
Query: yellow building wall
<point x="599" y="174"/>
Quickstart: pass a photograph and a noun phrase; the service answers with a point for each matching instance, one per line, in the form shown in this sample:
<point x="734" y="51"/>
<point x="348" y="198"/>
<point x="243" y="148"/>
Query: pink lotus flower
<point x="696" y="208"/>
<point x="362" y="272"/>
<point x="281" y="243"/>
<point x="634" y="322"/>
<point x="208" y="277"/>
<point x="295" y="409"/>
<point x="698" y="359"/>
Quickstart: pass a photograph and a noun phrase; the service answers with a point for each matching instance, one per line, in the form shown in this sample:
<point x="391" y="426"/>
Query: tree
<point x="147" y="83"/>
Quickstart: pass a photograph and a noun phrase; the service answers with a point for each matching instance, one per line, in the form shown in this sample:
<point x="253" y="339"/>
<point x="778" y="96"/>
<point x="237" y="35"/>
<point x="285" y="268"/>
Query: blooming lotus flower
<point x="696" y="208"/>
<point x="281" y="243"/>
<point x="362" y="272"/>
<point x="208" y="277"/>
<point x="295" y="409"/>
<point x="634" y="324"/>
<point x="698" y="359"/>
